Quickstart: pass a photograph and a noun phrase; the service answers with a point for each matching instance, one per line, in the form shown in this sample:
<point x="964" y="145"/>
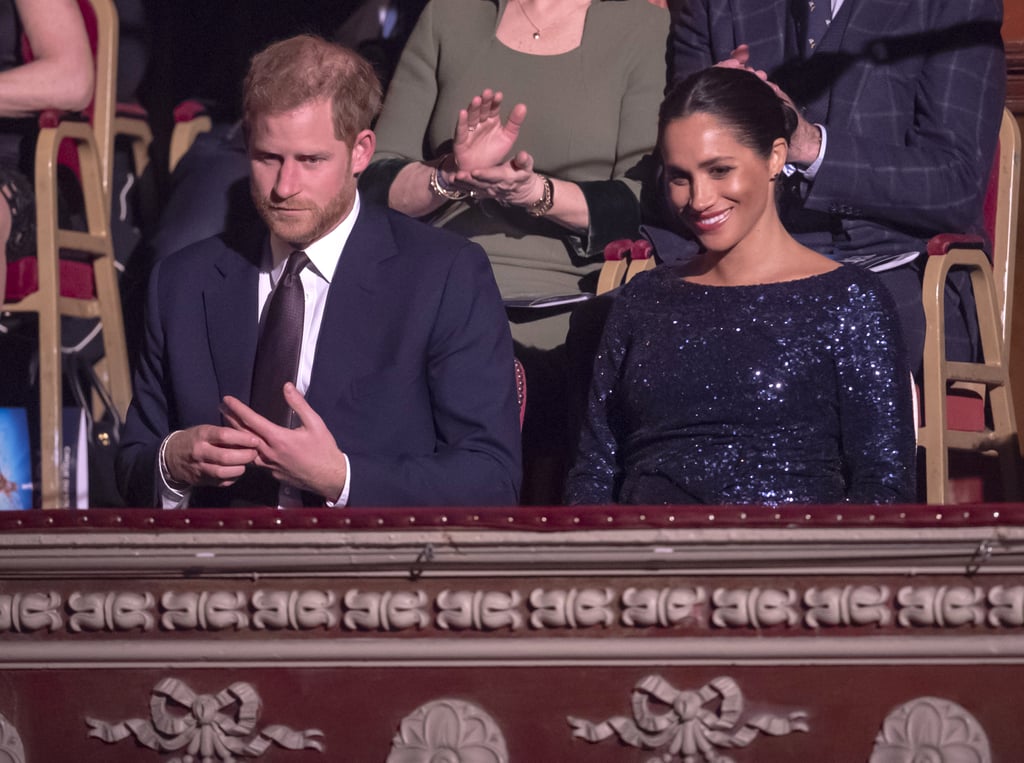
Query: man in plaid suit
<point x="900" y="104"/>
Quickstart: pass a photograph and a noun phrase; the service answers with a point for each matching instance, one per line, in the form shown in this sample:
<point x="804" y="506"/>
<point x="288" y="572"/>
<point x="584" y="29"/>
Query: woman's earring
<point x="773" y="178"/>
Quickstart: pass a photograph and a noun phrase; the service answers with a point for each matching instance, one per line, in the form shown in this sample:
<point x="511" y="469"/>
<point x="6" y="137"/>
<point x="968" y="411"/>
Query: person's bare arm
<point x="60" y="76"/>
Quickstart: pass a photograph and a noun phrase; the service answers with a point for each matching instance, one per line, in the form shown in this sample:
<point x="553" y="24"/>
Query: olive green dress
<point x="591" y="119"/>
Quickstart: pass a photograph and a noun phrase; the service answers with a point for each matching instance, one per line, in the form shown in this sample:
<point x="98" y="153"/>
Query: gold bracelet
<point x="543" y="205"/>
<point x="445" y="193"/>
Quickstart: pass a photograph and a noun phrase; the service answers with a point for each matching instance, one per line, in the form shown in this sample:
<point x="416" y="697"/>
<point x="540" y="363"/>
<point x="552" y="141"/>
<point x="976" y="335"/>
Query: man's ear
<point x="363" y="147"/>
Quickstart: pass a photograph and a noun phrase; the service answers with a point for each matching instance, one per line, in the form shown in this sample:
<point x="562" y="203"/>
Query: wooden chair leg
<point x="1007" y="443"/>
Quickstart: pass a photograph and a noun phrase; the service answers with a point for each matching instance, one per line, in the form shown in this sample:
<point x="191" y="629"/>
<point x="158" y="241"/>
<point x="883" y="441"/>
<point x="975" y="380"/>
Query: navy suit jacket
<point x="911" y="93"/>
<point x="413" y="369"/>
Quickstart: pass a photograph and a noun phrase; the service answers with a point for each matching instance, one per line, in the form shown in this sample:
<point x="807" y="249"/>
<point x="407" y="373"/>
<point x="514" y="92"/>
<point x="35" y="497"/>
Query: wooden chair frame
<point x="94" y="145"/>
<point x="190" y="121"/>
<point x="992" y="281"/>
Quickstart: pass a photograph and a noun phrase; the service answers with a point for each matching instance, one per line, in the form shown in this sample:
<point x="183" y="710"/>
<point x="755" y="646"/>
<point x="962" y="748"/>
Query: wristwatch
<point x="543" y="205"/>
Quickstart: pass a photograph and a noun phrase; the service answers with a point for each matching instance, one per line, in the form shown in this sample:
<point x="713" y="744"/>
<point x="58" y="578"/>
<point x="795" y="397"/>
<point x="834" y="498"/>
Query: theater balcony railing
<point x="640" y="634"/>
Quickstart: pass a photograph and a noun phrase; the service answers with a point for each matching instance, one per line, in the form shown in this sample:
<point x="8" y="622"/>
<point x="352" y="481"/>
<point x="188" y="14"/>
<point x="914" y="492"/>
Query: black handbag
<point x="102" y="434"/>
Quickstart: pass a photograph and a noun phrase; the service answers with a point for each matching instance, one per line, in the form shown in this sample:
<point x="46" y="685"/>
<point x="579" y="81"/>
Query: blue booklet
<point x="15" y="460"/>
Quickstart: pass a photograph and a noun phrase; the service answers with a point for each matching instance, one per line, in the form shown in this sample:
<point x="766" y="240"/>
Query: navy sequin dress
<point x="796" y="391"/>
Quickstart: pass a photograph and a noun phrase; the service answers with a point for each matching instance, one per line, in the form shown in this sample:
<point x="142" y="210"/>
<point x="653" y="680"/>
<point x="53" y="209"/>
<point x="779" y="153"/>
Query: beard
<point x="299" y="222"/>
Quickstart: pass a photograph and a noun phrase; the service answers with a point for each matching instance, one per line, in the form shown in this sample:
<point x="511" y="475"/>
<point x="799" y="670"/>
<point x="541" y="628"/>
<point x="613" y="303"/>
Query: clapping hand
<point x="482" y="140"/>
<point x="510" y="183"/>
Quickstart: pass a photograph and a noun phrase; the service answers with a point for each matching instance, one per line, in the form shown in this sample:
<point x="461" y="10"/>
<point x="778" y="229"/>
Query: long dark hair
<point x="739" y="99"/>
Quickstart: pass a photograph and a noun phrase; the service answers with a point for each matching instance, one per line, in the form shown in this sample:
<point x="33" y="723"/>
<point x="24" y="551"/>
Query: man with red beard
<point x="345" y="355"/>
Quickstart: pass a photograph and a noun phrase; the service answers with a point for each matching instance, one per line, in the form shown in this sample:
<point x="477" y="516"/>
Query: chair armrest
<point x="191" y="118"/>
<point x="617" y="250"/>
<point x="53" y="117"/>
<point x="616" y="263"/>
<point x="641" y="249"/>
<point x="131" y="111"/>
<point x="942" y="243"/>
<point x="189" y="109"/>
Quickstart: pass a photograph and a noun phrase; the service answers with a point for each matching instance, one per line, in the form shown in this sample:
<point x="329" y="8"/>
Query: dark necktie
<point x="277" y="354"/>
<point x="814" y="22"/>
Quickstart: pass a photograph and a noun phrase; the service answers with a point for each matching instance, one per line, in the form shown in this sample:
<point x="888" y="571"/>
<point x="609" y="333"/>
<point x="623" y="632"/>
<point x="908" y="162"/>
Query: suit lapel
<point x="230" y="299"/>
<point x="351" y="302"/>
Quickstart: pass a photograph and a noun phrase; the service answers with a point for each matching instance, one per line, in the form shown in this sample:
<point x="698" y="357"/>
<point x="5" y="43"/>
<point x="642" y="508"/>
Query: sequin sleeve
<point x="875" y="388"/>
<point x="597" y="470"/>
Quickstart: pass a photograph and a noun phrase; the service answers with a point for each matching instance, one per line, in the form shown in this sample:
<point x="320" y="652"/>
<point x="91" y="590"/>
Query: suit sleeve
<point x="931" y="177"/>
<point x="690" y="49"/>
<point x="147" y="421"/>
<point x="471" y="376"/>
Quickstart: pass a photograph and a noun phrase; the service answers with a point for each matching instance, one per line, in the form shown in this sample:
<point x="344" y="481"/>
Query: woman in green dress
<point x="527" y="125"/>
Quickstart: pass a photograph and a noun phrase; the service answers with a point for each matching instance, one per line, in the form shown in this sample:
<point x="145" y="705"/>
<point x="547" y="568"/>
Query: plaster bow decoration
<point x="213" y="728"/>
<point x="690" y="728"/>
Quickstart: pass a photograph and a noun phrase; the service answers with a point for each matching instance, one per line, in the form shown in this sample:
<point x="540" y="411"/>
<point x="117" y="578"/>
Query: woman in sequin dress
<point x="761" y="371"/>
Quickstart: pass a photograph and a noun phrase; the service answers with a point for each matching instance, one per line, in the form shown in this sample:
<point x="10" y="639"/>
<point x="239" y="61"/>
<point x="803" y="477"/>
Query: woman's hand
<point x="482" y="140"/>
<point x="511" y="183"/>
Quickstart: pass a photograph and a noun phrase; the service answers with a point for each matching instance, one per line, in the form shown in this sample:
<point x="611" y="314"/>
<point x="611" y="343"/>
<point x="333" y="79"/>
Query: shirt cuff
<point x="171" y="494"/>
<point x="343" y="498"/>
<point x="812" y="169"/>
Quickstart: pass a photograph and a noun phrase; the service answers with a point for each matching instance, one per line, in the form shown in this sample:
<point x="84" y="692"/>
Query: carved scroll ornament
<point x="205" y="727"/>
<point x="694" y="725"/>
<point x="479" y="610"/>
<point x="690" y="608"/>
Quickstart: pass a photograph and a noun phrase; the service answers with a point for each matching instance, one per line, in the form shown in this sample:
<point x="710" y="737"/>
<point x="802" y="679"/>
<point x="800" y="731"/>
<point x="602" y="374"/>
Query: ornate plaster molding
<point x="27" y="612"/>
<point x="448" y="731"/>
<point x="931" y="729"/>
<point x="478" y="610"/>
<point x="572" y="608"/>
<point x="387" y="611"/>
<point x="10" y="742"/>
<point x="609" y="650"/>
<point x="110" y="611"/>
<point x="214" y="727"/>
<point x="693" y="608"/>
<point x="689" y="724"/>
<point x="139" y="544"/>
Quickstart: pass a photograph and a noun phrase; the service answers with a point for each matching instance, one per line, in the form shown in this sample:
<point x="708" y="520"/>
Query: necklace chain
<point x="536" y="29"/>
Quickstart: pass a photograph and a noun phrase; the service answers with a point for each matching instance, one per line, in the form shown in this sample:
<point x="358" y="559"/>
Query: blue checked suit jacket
<point x="911" y="93"/>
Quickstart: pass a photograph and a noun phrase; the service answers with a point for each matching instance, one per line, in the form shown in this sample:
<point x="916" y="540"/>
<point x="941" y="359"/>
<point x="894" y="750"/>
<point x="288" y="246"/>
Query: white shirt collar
<point x="323" y="253"/>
